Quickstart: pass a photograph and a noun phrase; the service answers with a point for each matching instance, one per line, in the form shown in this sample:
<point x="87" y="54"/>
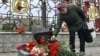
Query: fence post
<point x="43" y="13"/>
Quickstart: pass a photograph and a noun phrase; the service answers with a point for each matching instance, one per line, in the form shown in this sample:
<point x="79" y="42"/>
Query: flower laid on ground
<point x="34" y="48"/>
<point x="21" y="30"/>
<point x="42" y="40"/>
<point x="21" y="47"/>
<point x="65" y="50"/>
<point x="53" y="48"/>
<point x="30" y="45"/>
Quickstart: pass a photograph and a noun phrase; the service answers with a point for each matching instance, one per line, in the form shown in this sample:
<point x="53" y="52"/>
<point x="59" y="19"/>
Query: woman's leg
<point x="82" y="41"/>
<point x="72" y="41"/>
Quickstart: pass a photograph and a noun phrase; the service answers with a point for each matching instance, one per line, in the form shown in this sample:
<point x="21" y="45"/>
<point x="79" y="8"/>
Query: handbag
<point x="87" y="33"/>
<point x="90" y="25"/>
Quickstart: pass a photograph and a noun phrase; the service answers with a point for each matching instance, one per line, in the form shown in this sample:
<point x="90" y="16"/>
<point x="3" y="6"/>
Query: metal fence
<point x="23" y="12"/>
<point x="26" y="12"/>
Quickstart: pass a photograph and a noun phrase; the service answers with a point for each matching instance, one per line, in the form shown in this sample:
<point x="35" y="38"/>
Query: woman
<point x="74" y="18"/>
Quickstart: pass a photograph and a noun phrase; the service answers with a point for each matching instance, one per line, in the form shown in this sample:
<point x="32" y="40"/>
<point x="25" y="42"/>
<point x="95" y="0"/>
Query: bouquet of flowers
<point x="41" y="49"/>
<point x="65" y="50"/>
<point x="53" y="48"/>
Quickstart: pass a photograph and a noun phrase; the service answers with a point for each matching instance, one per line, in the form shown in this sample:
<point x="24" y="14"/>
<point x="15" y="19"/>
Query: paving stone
<point x="90" y="51"/>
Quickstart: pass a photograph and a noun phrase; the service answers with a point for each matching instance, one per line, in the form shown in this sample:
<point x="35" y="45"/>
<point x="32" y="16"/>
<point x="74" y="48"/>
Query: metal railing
<point x="26" y="12"/>
<point x="11" y="17"/>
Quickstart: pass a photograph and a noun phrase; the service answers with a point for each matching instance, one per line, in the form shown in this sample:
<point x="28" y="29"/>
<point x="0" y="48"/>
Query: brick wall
<point x="9" y="40"/>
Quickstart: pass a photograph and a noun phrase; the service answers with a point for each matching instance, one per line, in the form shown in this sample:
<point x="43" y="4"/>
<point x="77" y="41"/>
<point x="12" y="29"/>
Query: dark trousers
<point x="81" y="39"/>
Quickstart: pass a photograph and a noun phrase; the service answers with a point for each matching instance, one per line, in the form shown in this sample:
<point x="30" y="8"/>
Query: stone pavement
<point x="90" y="51"/>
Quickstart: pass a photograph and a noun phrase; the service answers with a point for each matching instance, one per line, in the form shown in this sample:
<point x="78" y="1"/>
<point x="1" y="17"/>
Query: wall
<point x="9" y="40"/>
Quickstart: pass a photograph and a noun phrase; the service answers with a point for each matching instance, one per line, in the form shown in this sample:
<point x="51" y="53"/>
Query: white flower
<point x="34" y="50"/>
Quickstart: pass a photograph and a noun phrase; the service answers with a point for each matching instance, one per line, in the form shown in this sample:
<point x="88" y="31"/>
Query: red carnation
<point x="33" y="55"/>
<point x="42" y="40"/>
<point x="31" y="44"/>
<point x="21" y="47"/>
<point x="54" y="49"/>
<point x="21" y="30"/>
